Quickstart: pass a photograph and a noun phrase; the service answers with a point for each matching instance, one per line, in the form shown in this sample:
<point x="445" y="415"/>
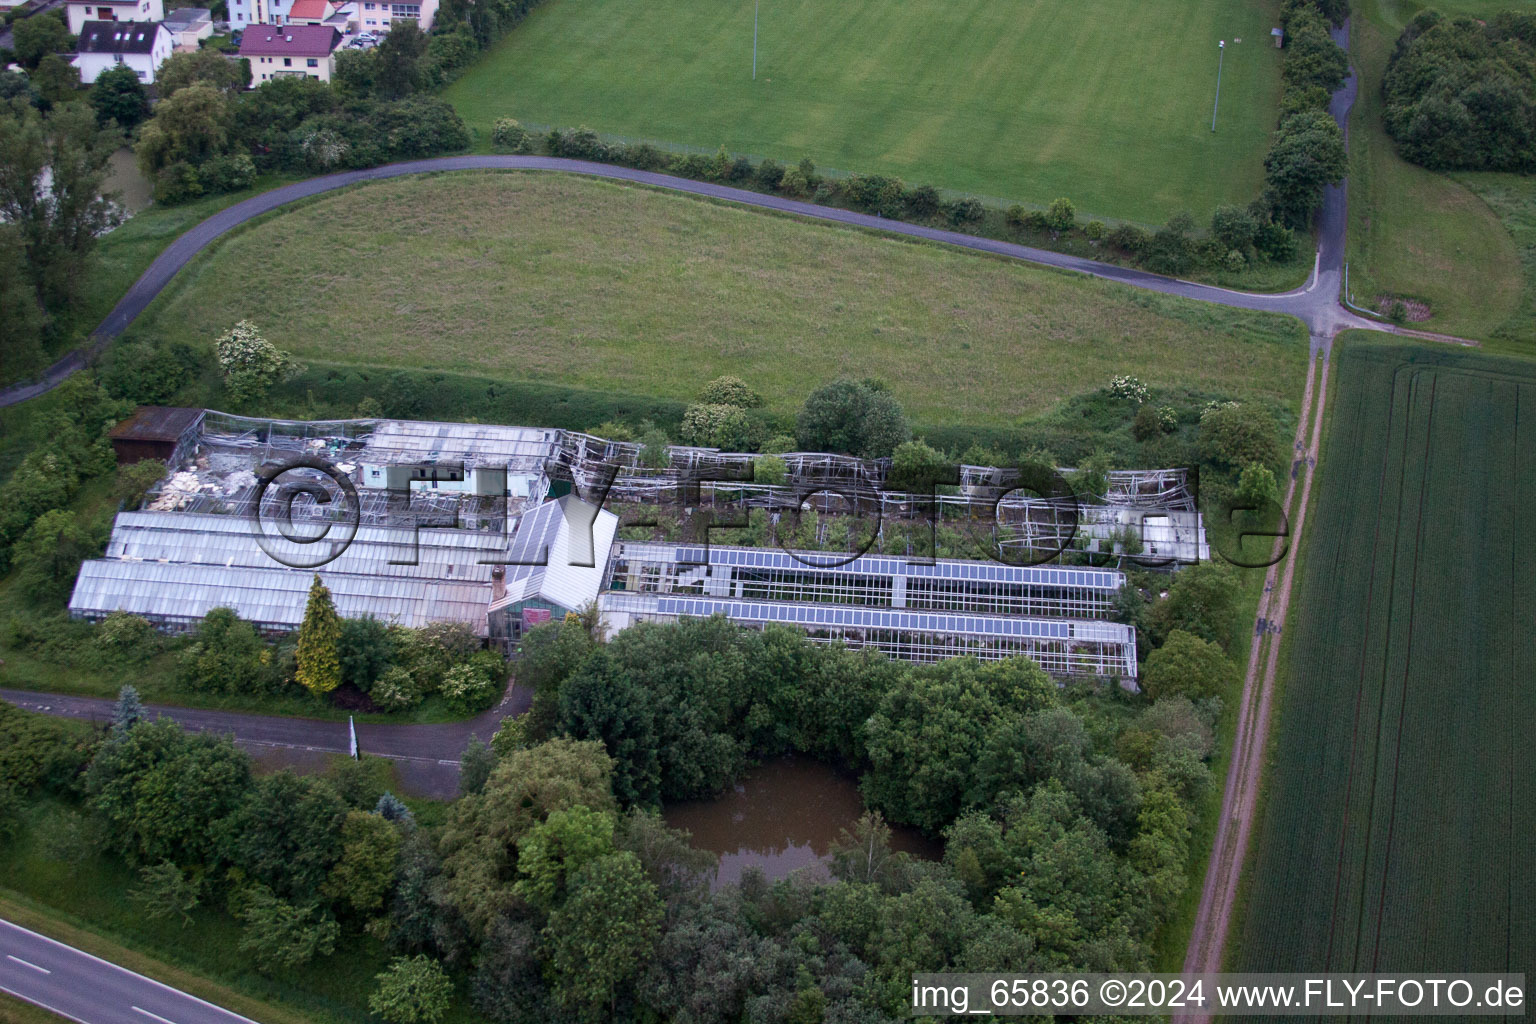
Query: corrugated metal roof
<point x="270" y="597"/>
<point x="151" y="422"/>
<point x="231" y="541"/>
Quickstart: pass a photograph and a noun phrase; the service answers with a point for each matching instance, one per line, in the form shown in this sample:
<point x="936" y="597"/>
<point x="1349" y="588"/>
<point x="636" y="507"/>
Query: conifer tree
<point x="319" y="663"/>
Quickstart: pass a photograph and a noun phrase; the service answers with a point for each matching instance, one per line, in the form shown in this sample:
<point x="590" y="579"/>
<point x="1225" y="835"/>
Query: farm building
<point x="415" y="522"/>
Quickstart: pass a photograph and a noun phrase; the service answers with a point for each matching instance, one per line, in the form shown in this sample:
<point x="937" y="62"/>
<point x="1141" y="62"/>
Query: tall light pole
<point x="755" y="5"/>
<point x="1214" y="107"/>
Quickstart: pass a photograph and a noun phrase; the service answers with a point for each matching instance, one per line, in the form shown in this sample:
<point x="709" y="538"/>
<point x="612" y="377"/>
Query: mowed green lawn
<point x="546" y="277"/>
<point x="1401" y="794"/>
<point x="1107" y="102"/>
<point x="1459" y="244"/>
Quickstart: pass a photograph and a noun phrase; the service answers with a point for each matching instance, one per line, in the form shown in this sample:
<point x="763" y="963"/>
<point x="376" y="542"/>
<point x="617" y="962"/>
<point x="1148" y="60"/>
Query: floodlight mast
<point x="1221" y="51"/>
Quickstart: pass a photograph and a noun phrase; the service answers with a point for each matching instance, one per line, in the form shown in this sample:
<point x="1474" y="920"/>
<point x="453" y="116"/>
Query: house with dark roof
<point x="140" y="45"/>
<point x="81" y="11"/>
<point x="277" y="51"/>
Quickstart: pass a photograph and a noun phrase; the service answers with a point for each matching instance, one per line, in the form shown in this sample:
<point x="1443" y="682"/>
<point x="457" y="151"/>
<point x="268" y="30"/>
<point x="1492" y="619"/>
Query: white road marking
<point x="153" y="1016"/>
<point x="27" y="963"/>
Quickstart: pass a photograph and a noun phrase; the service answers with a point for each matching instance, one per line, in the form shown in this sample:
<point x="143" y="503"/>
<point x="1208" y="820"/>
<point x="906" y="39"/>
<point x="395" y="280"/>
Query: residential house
<point x="377" y="15"/>
<point x="290" y="50"/>
<point x="310" y="12"/>
<point x="81" y="11"/>
<point x="188" y="26"/>
<point x="142" y="46"/>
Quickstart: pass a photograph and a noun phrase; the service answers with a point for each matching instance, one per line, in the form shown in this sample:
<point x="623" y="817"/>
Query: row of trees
<point x="1461" y="93"/>
<point x="1175" y="248"/>
<point x="1308" y="150"/>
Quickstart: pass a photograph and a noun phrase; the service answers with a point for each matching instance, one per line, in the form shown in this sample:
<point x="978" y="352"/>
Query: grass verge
<point x="563" y="281"/>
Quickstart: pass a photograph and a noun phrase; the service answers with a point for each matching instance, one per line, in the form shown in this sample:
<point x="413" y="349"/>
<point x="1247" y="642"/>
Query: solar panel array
<point x="883" y="565"/>
<point x="811" y="616"/>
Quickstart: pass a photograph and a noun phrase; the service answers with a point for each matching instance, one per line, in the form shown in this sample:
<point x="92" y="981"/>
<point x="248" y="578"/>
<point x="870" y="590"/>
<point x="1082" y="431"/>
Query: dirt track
<point x="1207" y="942"/>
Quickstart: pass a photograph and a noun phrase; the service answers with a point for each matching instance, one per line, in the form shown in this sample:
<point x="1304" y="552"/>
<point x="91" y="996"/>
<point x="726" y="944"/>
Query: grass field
<point x="1107" y="102"/>
<point x="532" y="276"/>
<point x="1418" y="234"/>
<point x="1401" y="790"/>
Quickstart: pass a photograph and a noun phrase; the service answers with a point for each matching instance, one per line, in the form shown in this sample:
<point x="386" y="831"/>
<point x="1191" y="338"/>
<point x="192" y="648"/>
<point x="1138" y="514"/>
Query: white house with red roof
<point x="279" y="51"/>
<point x="82" y="11"/>
<point x="310" y="12"/>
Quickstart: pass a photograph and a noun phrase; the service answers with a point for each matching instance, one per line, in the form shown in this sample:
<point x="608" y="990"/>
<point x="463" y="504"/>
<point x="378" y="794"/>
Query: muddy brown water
<point x="782" y="817"/>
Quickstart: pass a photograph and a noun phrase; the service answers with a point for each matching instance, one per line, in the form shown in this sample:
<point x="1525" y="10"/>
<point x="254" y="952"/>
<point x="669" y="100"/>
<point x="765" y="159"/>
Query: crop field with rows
<point x="1403" y="793"/>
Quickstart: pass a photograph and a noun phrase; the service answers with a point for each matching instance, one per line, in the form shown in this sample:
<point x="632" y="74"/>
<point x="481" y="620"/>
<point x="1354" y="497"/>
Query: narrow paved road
<point x="1316" y="304"/>
<point x="88" y="989"/>
<point x="426" y="756"/>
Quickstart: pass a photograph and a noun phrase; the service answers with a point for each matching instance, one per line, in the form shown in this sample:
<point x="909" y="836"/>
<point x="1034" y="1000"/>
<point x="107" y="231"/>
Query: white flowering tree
<point x="251" y="364"/>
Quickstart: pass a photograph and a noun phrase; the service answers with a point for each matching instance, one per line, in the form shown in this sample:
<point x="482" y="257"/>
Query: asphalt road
<point x="426" y="756"/>
<point x="1316" y="303"/>
<point x="91" y="990"/>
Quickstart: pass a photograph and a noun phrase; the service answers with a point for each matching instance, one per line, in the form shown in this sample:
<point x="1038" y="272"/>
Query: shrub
<point x="855" y="417"/>
<point x="646" y="157"/>
<point x="469" y="687"/>
<point x="717" y="426"/>
<point x="126" y="638"/>
<point x="415" y="990"/>
<point x="1094" y="229"/>
<point x="177" y="183"/>
<point x="730" y="391"/>
<point x="509" y="134"/>
<point x="769" y="174"/>
<point x="964" y="211"/>
<point x="1129" y="388"/>
<point x="227" y="173"/>
<point x="1129" y="239"/>
<point x="395" y="690"/>
<point x="793" y="183"/>
<point x="1061" y="215"/>
<point x="250" y="363"/>
<point x="923" y="201"/>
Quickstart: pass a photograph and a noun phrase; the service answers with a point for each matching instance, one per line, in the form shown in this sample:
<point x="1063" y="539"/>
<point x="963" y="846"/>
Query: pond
<point x="782" y="817"/>
<point x="134" y="190"/>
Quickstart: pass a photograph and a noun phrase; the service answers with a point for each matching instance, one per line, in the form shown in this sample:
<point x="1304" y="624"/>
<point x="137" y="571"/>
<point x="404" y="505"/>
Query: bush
<point x="227" y="173"/>
<point x="177" y="183"/>
<point x="1129" y="239"/>
<point x="717" y="426"/>
<point x="1094" y="229"/>
<point x="125" y="638"/>
<point x="509" y="134"/>
<point x="923" y="201"/>
<point x="1061" y="215"/>
<point x="769" y="174"/>
<point x="250" y="363"/>
<point x="793" y="183"/>
<point x="964" y="211"/>
<point x="470" y="686"/>
<point x="730" y="391"/>
<point x="395" y="690"/>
